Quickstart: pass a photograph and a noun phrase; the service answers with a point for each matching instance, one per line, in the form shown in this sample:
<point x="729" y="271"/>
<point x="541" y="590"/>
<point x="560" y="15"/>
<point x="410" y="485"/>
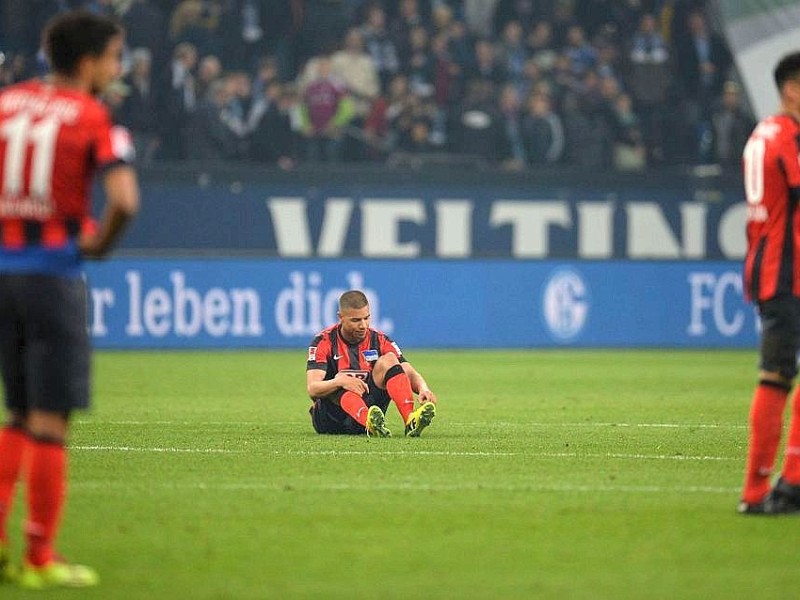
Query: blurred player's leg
<point x="13" y="442"/>
<point x="766" y="423"/>
<point x="46" y="488"/>
<point x="791" y="464"/>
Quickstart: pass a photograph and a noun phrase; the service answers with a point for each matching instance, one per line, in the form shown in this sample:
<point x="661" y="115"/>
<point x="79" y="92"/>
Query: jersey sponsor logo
<point x="312" y="353"/>
<point x="370" y="355"/>
<point x="565" y="304"/>
<point x="357" y="373"/>
<point x="338" y="356"/>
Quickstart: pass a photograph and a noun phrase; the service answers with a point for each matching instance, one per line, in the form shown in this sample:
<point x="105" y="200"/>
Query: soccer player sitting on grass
<point x="354" y="372"/>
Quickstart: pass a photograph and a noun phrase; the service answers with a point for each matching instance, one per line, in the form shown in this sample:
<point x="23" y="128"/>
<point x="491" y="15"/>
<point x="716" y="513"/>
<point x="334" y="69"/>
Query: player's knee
<point x="776" y="379"/>
<point x="387" y="361"/>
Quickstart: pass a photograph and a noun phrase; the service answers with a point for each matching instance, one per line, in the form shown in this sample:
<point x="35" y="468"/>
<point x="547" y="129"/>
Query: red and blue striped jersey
<point x="331" y="353"/>
<point x="53" y="140"/>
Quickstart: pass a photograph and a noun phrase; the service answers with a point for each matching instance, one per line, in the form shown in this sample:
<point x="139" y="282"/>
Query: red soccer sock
<point x="354" y="405"/>
<point x="13" y="442"/>
<point x="766" y="422"/>
<point x="47" y="476"/>
<point x="791" y="464"/>
<point x="399" y="387"/>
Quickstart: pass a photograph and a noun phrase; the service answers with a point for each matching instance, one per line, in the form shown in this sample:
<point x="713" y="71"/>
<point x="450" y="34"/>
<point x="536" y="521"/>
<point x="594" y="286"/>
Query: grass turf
<point x="569" y="475"/>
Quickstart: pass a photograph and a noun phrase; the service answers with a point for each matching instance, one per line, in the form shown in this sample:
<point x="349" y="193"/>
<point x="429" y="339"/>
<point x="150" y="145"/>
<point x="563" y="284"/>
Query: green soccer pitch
<point x="546" y="474"/>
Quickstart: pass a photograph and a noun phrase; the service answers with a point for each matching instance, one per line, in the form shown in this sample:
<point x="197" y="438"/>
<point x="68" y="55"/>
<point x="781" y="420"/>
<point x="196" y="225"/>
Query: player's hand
<point x="352" y="384"/>
<point x="426" y="396"/>
<point x="89" y="240"/>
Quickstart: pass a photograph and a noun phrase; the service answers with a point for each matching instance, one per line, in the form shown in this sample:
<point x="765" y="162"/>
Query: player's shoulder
<point x="777" y="127"/>
<point x="324" y="334"/>
<point x="42" y="97"/>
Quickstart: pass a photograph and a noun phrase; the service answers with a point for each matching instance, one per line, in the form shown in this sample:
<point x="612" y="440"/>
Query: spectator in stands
<point x="512" y="152"/>
<point x="447" y="74"/>
<point x="485" y="65"/>
<point x="272" y="140"/>
<point x="542" y="132"/>
<point x="212" y="138"/>
<point x="209" y="70"/>
<point x="630" y="153"/>
<point x="380" y="45"/>
<point x="512" y="52"/>
<point x="460" y="45"/>
<point x="419" y="139"/>
<point x="442" y="19"/>
<point x="179" y="101"/>
<point x="139" y="108"/>
<point x="583" y="55"/>
<point x="732" y="127"/>
<point x="525" y="12"/>
<point x="477" y="127"/>
<point x="395" y="122"/>
<point x="409" y="16"/>
<point x="355" y="69"/>
<point x="562" y="18"/>
<point x="540" y="45"/>
<point x="479" y="17"/>
<point x="267" y="71"/>
<point x="649" y="79"/>
<point x="240" y="111"/>
<point x="571" y="47"/>
<point x="702" y="67"/>
<point x="419" y="64"/>
<point x="195" y="22"/>
<point x="327" y="109"/>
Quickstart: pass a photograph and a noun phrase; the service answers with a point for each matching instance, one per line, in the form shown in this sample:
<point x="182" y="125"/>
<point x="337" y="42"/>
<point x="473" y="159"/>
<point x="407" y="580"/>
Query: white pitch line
<point x="483" y="424"/>
<point x="165" y="450"/>
<point x="404" y="486"/>
<point x="578" y="455"/>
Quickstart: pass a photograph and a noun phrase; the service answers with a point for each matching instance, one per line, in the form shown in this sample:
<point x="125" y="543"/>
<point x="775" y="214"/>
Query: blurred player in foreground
<point x="54" y="136"/>
<point x="772" y="281"/>
<point x="353" y="373"/>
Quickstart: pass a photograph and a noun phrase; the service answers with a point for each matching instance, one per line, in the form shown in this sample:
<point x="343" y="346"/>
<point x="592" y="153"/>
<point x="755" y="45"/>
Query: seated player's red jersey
<point x="52" y="142"/>
<point x="330" y="352"/>
<point x="772" y="186"/>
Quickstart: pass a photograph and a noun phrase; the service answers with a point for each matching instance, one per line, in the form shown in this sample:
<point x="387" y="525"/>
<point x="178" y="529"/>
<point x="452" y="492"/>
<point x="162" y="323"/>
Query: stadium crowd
<point x="621" y="84"/>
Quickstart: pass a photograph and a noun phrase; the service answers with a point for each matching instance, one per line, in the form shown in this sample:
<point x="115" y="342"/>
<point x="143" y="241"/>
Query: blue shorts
<point x="328" y="417"/>
<point x="44" y="342"/>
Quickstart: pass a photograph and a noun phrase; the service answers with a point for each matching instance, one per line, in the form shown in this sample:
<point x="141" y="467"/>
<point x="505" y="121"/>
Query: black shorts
<point x="328" y="417"/>
<point x="44" y="342"/>
<point x="780" y="335"/>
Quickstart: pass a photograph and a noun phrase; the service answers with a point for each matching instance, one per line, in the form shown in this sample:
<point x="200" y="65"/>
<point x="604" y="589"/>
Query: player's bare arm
<point x="418" y="384"/>
<point x="122" y="194"/>
<point x="318" y="387"/>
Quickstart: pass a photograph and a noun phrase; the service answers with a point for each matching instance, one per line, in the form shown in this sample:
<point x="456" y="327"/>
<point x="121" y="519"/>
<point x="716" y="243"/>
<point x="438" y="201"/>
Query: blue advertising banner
<point x="413" y="220"/>
<point x="248" y="303"/>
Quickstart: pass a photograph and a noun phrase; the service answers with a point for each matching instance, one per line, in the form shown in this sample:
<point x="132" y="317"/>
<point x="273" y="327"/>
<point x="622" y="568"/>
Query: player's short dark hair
<point x="788" y="68"/>
<point x="352" y="299"/>
<point x="70" y="36"/>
